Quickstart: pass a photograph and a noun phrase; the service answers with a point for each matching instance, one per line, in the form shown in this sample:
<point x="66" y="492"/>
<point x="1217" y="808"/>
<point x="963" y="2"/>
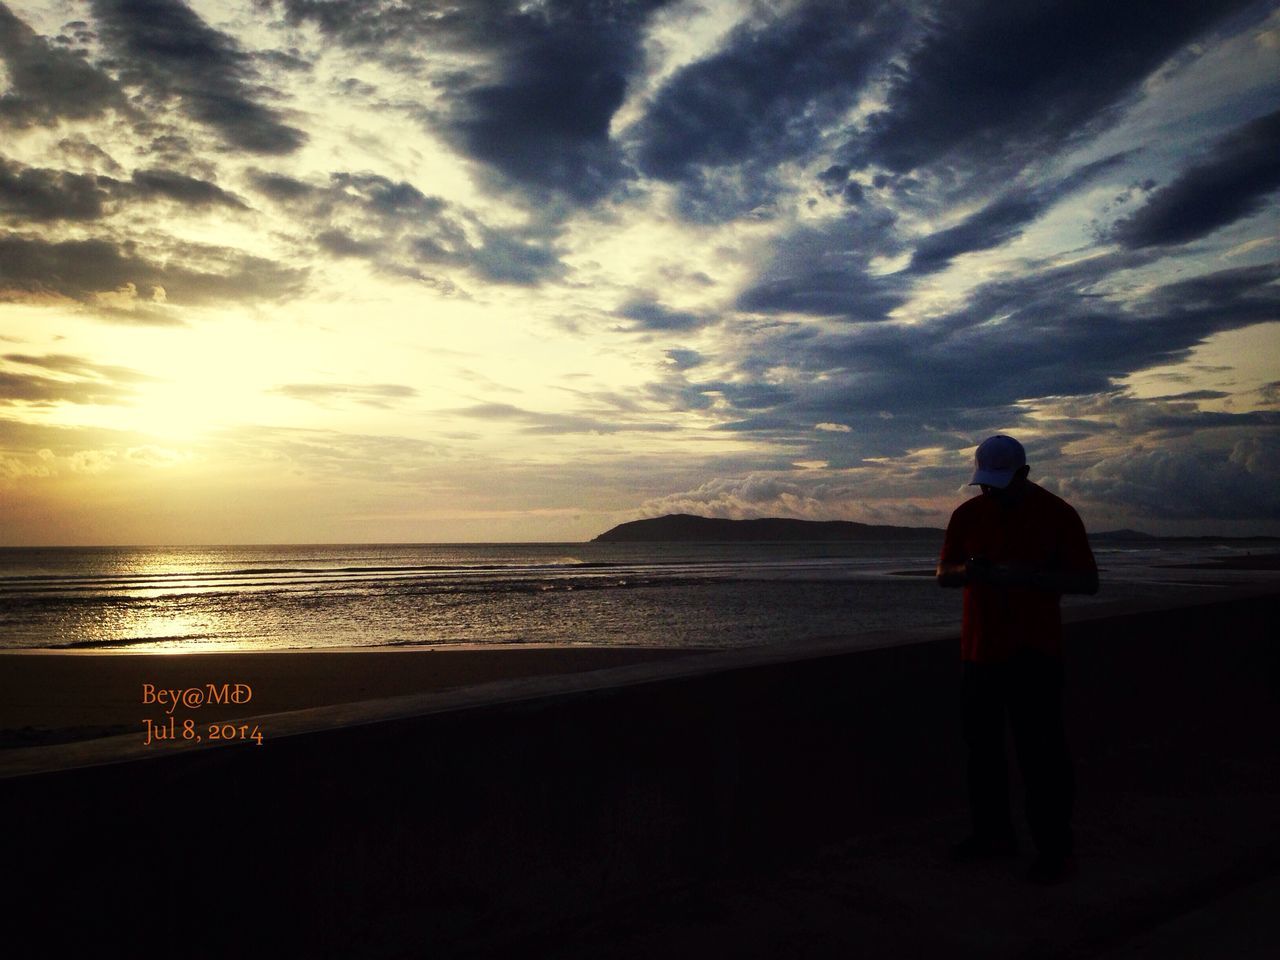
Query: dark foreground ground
<point x="1178" y="836"/>
<point x="755" y="804"/>
<point x="1163" y="876"/>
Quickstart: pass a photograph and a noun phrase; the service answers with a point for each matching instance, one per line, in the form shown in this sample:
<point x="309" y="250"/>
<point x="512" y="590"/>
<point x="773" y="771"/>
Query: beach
<point x="764" y="802"/>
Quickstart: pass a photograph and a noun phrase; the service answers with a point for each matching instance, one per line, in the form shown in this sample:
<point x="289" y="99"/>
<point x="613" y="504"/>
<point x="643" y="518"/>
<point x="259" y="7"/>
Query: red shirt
<point x="1040" y="530"/>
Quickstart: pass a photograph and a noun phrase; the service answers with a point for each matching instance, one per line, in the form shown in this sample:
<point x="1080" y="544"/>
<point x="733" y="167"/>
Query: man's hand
<point x="982" y="570"/>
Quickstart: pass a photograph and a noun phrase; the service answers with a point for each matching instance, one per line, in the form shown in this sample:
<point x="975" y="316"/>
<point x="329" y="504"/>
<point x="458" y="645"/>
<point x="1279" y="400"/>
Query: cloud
<point x="502" y="256"/>
<point x="47" y="84"/>
<point x="1047" y="334"/>
<point x="184" y="189"/>
<point x="168" y="50"/>
<point x="1001" y="220"/>
<point x="43" y="391"/>
<point x="1241" y="482"/>
<point x="825" y="270"/>
<point x="78" y="366"/>
<point x="648" y="314"/>
<point x="385" y="197"/>
<point x="1152" y="420"/>
<point x="685" y="359"/>
<point x="767" y="95"/>
<point x="42" y="195"/>
<point x="398" y="228"/>
<point x="34" y="269"/>
<point x="1233" y="181"/>
<point x="536" y="422"/>
<point x="78" y="381"/>
<point x="382" y="395"/>
<point x="539" y="85"/>
<point x="280" y="187"/>
<point x="994" y="87"/>
<point x="332" y="454"/>
<point x="871" y="494"/>
<point x="756" y="495"/>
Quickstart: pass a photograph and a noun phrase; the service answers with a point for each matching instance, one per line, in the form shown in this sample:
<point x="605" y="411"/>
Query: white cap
<point x="997" y="459"/>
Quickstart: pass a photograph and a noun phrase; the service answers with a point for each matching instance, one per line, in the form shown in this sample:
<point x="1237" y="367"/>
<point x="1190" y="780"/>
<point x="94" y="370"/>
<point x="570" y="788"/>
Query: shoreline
<point x="776" y="786"/>
<point x="72" y="701"/>
<point x="54" y="697"/>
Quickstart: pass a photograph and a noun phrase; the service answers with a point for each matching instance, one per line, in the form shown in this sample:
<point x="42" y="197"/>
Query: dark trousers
<point x="1028" y="689"/>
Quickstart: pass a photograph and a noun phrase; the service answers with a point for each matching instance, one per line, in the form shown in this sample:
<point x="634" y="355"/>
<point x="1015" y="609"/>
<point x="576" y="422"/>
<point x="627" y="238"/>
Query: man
<point x="1015" y="550"/>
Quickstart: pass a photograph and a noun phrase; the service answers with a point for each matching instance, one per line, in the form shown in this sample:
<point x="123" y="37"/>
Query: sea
<point x="700" y="595"/>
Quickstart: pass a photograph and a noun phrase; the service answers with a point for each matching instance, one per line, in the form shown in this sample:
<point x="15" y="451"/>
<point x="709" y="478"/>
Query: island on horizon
<point x="684" y="527"/>
<point x="688" y="528"/>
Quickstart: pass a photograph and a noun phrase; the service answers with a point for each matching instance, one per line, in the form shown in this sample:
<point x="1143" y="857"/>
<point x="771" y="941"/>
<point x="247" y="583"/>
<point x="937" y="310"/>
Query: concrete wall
<point x="444" y="829"/>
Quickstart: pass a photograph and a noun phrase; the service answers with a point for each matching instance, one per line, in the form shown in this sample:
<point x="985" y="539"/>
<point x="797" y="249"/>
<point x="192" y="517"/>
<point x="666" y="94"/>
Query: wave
<point x="443" y="577"/>
<point x="123" y="642"/>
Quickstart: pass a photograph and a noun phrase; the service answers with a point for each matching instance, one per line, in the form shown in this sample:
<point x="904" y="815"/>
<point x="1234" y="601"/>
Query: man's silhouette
<point x="1016" y="549"/>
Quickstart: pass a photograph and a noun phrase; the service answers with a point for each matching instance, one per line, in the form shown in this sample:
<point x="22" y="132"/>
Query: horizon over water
<point x="313" y="596"/>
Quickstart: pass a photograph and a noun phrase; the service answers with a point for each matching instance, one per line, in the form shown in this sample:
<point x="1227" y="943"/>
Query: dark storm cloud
<point x="1002" y="219"/>
<point x="544" y="121"/>
<point x="648" y="314"/>
<point x="342" y="244"/>
<point x="279" y="187"/>
<point x="286" y="60"/>
<point x="381" y="395"/>
<point x="1044" y="335"/>
<point x="41" y="195"/>
<point x="1050" y="335"/>
<point x="170" y="51"/>
<point x="1151" y="419"/>
<point x="517" y="257"/>
<point x="537" y="108"/>
<point x="1232" y="182"/>
<point x="826" y="270"/>
<point x="47" y="84"/>
<point x="504" y="256"/>
<point x="398" y="228"/>
<point x="386" y="197"/>
<point x="184" y="189"/>
<point x="685" y="359"/>
<point x="994" y="86"/>
<point x="33" y="269"/>
<point x="1195" y="395"/>
<point x="86" y="154"/>
<point x="767" y="95"/>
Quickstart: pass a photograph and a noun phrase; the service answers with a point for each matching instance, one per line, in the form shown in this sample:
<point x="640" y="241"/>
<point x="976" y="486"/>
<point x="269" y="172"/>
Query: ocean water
<point x="683" y="595"/>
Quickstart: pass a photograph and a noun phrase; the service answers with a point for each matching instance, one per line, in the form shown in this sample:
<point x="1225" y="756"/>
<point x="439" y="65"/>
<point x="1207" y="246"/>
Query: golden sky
<point x="335" y="271"/>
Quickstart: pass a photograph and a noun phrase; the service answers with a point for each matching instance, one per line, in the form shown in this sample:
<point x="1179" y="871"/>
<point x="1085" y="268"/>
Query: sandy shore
<point x="755" y="803"/>
<point x="59" y="697"/>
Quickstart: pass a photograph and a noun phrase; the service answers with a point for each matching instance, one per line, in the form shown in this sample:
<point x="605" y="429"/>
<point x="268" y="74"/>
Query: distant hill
<point x="1207" y="538"/>
<point x="682" y="527"/>
<point x="1121" y="535"/>
<point x="686" y="528"/>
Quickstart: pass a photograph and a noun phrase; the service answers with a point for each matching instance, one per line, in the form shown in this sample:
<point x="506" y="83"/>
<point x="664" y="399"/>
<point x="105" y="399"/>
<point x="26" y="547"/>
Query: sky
<point x="367" y="270"/>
